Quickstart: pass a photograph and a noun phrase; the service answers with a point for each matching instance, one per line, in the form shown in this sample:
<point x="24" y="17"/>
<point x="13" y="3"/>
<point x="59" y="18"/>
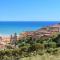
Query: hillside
<point x="45" y="32"/>
<point x="42" y="44"/>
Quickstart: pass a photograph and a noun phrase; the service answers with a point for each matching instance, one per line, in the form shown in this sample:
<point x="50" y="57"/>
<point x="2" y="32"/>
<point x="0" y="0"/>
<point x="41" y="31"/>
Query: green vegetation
<point x="32" y="49"/>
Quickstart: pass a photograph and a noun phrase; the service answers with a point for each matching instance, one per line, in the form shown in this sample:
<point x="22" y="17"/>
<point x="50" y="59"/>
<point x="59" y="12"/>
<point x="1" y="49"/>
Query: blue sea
<point x="10" y="27"/>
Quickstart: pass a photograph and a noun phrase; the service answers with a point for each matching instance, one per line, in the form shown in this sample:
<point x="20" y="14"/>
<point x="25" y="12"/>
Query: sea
<point x="10" y="27"/>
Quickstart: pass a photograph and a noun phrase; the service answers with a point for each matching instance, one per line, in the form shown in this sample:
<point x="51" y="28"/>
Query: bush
<point x="50" y="50"/>
<point x="40" y="52"/>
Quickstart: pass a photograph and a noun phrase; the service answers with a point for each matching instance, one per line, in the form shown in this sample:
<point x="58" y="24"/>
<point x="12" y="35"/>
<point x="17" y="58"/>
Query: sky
<point x="29" y="10"/>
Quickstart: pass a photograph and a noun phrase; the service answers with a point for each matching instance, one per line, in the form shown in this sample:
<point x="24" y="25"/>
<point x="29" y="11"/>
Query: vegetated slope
<point x="44" y="32"/>
<point x="42" y="44"/>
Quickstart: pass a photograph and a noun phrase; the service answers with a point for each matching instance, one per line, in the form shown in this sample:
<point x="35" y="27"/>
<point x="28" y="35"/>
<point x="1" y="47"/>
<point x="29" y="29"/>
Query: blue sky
<point x="29" y="10"/>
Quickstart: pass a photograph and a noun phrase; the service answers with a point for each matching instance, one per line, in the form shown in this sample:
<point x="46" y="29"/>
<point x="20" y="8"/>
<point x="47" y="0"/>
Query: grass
<point x="42" y="57"/>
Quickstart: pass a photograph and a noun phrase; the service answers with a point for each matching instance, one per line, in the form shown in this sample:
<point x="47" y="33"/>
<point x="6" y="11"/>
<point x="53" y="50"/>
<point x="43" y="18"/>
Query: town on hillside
<point x="44" y="32"/>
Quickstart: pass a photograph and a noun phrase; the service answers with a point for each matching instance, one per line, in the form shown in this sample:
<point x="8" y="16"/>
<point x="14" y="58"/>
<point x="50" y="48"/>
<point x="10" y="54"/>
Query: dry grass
<point x="43" y="57"/>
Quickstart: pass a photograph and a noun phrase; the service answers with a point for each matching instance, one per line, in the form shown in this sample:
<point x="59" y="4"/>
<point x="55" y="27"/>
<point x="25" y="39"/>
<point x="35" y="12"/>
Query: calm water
<point x="11" y="27"/>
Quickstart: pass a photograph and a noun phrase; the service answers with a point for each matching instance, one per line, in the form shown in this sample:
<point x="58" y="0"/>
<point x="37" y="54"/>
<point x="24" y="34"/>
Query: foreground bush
<point x="18" y="54"/>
